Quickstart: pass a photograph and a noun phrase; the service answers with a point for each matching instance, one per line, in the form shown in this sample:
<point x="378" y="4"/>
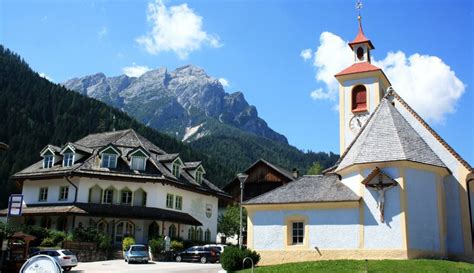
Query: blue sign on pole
<point x="15" y="203"/>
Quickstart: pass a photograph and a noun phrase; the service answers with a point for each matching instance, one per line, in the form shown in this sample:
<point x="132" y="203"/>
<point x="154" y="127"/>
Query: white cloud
<point x="102" y="32"/>
<point x="135" y="70"/>
<point x="176" y="29"/>
<point x="43" y="75"/>
<point x="224" y="82"/>
<point x="425" y="82"/>
<point x="306" y="54"/>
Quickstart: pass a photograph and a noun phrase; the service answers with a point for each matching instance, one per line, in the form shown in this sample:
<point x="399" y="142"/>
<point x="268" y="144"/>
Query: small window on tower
<point x="360" y="53"/>
<point x="359" y="98"/>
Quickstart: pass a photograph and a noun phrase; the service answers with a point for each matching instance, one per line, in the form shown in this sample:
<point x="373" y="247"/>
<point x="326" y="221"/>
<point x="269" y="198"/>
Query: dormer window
<point x="108" y="161"/>
<point x="176" y="169"/>
<point x="138" y="163"/>
<point x="48" y="161"/>
<point x="68" y="159"/>
<point x="199" y="177"/>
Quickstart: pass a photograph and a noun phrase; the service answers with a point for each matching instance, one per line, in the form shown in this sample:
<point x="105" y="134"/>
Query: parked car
<point x="65" y="258"/>
<point x="219" y="247"/>
<point x="136" y="253"/>
<point x="198" y="253"/>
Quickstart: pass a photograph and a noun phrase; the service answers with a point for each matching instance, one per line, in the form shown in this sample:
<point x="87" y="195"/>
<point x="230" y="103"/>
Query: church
<point x="398" y="191"/>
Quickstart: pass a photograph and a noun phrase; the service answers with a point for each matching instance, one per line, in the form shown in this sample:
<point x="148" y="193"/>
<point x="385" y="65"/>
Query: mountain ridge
<point x="175" y="100"/>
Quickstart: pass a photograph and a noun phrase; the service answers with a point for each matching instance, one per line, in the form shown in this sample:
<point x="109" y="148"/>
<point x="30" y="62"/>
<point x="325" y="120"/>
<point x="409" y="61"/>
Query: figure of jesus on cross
<point x="381" y="188"/>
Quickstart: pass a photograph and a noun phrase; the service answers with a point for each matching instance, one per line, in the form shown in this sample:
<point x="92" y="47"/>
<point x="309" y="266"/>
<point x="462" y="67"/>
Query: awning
<point x="105" y="210"/>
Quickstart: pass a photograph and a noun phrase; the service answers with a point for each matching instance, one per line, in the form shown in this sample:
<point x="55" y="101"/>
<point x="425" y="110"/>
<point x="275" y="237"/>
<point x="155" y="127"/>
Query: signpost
<point x="15" y="203"/>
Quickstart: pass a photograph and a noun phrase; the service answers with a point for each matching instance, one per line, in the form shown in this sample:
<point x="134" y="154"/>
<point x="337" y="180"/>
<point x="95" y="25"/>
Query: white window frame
<point x="63" y="193"/>
<point x="138" y="163"/>
<point x="68" y="159"/>
<point x="199" y="175"/>
<point x="43" y="194"/>
<point x="176" y="169"/>
<point x="48" y="161"/>
<point x="104" y="194"/>
<point x="128" y="197"/>
<point x="106" y="161"/>
<point x="180" y="207"/>
<point x="169" y="201"/>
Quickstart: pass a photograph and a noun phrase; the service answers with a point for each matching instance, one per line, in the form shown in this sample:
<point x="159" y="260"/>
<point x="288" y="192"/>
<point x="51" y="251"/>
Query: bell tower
<point x="361" y="87"/>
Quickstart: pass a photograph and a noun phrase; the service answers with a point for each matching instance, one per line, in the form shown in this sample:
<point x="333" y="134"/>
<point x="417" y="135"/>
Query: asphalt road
<point x="119" y="266"/>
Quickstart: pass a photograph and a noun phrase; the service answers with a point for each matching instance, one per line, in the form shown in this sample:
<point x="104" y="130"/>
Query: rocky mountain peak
<point x="176" y="101"/>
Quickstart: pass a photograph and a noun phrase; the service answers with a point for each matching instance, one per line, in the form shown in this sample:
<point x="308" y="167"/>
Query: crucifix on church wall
<point x="380" y="187"/>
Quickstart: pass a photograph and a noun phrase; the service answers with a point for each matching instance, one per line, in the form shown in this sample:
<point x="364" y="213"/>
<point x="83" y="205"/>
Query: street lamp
<point x="242" y="177"/>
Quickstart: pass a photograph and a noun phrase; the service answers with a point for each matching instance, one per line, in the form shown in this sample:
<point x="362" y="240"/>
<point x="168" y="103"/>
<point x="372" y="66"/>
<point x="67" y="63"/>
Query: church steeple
<point x="361" y="88"/>
<point x="361" y="45"/>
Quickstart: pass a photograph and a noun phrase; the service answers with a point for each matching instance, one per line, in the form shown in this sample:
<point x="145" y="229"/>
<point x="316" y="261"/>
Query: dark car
<point x="198" y="253"/>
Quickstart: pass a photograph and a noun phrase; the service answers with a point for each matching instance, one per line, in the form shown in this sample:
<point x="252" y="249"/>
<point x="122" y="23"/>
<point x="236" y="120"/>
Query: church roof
<point x="359" y="68"/>
<point x="360" y="38"/>
<point x="387" y="136"/>
<point x="308" y="189"/>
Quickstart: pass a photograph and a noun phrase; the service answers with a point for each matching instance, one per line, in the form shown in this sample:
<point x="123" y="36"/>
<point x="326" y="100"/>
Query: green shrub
<point x="57" y="236"/>
<point x="127" y="242"/>
<point x="232" y="257"/>
<point x="47" y="242"/>
<point x="157" y="245"/>
<point x="104" y="241"/>
<point x="89" y="234"/>
<point x="176" y="245"/>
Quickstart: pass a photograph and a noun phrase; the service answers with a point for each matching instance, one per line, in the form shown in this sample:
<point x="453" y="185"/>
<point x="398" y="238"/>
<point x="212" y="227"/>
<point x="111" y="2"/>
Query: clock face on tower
<point x="357" y="121"/>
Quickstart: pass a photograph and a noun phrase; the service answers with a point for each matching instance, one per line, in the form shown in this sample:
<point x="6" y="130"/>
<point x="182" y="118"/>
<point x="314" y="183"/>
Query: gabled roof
<point x="374" y="173"/>
<point x="191" y="165"/>
<point x="307" y="189"/>
<point x="125" y="143"/>
<point x="280" y="170"/>
<point x="359" y="68"/>
<point x="127" y="138"/>
<point x="387" y="136"/>
<point x="51" y="148"/>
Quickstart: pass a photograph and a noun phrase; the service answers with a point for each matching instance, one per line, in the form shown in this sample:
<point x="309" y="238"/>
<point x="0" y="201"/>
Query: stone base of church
<point x="269" y="257"/>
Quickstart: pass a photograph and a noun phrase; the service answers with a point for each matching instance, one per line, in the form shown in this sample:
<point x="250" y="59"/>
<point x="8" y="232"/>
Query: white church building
<point x="398" y="191"/>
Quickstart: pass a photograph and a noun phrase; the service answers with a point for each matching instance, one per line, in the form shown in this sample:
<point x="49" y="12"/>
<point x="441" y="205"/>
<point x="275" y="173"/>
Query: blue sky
<point x="256" y="47"/>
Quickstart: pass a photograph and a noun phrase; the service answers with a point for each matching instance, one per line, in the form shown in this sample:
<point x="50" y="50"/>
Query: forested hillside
<point x="35" y="112"/>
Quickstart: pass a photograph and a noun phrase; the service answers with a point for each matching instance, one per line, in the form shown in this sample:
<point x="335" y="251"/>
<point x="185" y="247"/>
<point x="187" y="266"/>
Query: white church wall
<point x="352" y="181"/>
<point x="454" y="239"/>
<point x="334" y="229"/>
<point x="423" y="225"/>
<point x="328" y="228"/>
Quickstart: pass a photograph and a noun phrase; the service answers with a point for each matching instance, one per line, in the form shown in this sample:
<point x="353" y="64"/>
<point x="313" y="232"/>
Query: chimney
<point x="296" y="173"/>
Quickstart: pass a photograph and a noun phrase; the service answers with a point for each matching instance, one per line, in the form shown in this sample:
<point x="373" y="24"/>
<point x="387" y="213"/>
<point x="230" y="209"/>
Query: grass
<point x="421" y="265"/>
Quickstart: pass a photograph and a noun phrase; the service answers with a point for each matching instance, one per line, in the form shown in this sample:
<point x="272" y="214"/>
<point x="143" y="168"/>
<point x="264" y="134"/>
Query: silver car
<point x="65" y="258"/>
<point x="136" y="253"/>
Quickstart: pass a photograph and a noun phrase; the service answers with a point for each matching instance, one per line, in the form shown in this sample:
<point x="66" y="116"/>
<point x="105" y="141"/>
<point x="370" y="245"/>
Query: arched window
<point x="199" y="234"/>
<point x="191" y="234"/>
<point x="124" y="229"/>
<point x="207" y="235"/>
<point x="360" y="53"/>
<point x="102" y="226"/>
<point x="359" y="98"/>
<point x="153" y="230"/>
<point x="172" y="231"/>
